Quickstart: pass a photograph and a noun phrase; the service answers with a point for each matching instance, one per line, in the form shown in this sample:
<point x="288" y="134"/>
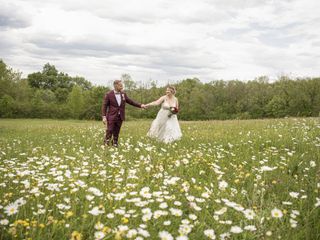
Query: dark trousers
<point x="113" y="130"/>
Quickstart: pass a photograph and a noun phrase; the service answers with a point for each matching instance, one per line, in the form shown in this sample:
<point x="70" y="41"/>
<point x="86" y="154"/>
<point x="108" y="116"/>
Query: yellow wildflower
<point x="76" y="235"/>
<point x="106" y="230"/>
<point x="124" y="220"/>
<point x="69" y="214"/>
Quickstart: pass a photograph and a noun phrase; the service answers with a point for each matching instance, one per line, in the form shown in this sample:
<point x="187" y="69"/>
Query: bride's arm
<point x="157" y="102"/>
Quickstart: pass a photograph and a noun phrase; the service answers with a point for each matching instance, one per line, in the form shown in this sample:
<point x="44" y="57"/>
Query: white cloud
<point x="161" y="39"/>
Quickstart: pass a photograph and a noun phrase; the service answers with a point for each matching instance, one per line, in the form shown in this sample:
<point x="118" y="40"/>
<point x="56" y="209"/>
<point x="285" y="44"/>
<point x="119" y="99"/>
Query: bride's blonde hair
<point x="173" y="89"/>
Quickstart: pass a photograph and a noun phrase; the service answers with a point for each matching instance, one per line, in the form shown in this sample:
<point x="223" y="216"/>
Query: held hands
<point x="144" y="106"/>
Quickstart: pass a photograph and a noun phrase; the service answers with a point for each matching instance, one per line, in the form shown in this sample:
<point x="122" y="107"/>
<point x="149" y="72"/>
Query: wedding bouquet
<point x="173" y="110"/>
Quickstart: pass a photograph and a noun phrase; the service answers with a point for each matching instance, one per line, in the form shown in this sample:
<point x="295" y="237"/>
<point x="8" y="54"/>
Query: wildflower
<point x="146" y="217"/>
<point x="249" y="214"/>
<point x="145" y="192"/>
<point x="99" y="235"/>
<point x="159" y="213"/>
<point x="294" y="194"/>
<point x="124" y="220"/>
<point x="11" y="209"/>
<point x="4" y="222"/>
<point x="167" y="223"/>
<point x="98" y="226"/>
<point x="69" y="214"/>
<point x="267" y="168"/>
<point x="89" y="197"/>
<point x="205" y="195"/>
<point x="182" y="238"/>
<point x="76" y="236"/>
<point x="132" y="233"/>
<point x="163" y="205"/>
<point x="95" y="191"/>
<point x="221" y="211"/>
<point x="224" y="236"/>
<point x="276" y="213"/>
<point x="143" y="232"/>
<point x="185" y="229"/>
<point x="176" y="212"/>
<point x="236" y="229"/>
<point x="293" y="223"/>
<point x="223" y="185"/>
<point x="164" y="235"/>
<point x="210" y="233"/>
<point x="269" y="233"/>
<point x="250" y="228"/>
<point x="96" y="211"/>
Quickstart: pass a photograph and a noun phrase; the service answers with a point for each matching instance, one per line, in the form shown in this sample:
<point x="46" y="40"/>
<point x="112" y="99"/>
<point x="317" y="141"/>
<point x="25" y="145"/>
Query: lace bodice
<point x="166" y="106"/>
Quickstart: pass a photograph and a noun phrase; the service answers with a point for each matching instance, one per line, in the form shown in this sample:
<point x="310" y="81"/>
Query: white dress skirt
<point x="164" y="128"/>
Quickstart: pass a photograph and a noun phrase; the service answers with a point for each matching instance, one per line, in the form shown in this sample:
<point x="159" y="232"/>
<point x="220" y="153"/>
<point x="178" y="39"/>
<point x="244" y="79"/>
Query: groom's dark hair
<point x="116" y="82"/>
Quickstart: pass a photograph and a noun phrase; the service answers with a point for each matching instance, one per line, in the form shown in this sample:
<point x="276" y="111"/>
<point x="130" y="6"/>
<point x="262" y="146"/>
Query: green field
<point x="255" y="179"/>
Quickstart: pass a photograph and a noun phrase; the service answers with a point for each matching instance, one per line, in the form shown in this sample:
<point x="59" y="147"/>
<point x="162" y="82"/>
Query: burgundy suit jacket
<point x="111" y="109"/>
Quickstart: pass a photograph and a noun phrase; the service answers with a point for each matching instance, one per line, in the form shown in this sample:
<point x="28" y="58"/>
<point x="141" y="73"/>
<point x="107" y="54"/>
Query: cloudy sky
<point x="163" y="40"/>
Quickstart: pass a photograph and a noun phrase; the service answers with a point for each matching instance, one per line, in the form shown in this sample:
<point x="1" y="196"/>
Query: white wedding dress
<point x="164" y="128"/>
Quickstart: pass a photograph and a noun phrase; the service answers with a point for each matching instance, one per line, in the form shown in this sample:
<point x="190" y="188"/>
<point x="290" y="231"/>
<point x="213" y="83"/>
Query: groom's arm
<point x="105" y="105"/>
<point x="131" y="102"/>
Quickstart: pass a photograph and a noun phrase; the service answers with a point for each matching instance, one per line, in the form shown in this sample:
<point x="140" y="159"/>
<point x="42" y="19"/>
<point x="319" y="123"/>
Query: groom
<point x="113" y="112"/>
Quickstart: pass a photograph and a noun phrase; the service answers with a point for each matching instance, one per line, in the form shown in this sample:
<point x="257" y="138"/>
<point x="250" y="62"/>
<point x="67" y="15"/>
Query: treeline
<point x="54" y="94"/>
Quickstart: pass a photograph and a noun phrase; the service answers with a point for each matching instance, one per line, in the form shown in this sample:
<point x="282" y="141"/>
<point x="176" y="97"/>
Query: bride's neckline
<point x="166" y="100"/>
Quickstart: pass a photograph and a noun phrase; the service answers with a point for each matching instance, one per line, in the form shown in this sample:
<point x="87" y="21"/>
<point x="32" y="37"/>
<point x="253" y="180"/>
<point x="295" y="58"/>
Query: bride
<point x="166" y="127"/>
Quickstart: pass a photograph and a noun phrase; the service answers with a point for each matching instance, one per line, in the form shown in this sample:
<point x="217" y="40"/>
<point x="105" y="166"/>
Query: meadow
<point x="248" y="179"/>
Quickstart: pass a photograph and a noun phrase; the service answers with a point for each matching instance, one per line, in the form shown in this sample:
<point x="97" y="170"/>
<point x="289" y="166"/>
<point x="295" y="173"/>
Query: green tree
<point x="76" y="102"/>
<point x="8" y="79"/>
<point x="92" y="102"/>
<point x="7" y="104"/>
<point x="128" y="82"/>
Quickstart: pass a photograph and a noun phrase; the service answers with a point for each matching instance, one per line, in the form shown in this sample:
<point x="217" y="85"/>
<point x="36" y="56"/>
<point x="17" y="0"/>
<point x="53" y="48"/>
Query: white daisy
<point x="11" y="209"/>
<point x="294" y="194"/>
<point x="167" y="223"/>
<point x="164" y="235"/>
<point x="99" y="235"/>
<point x="249" y="214"/>
<point x="223" y="185"/>
<point x="251" y="228"/>
<point x="210" y="233"/>
<point x="96" y="211"/>
<point x="182" y="238"/>
<point x="4" y="222"/>
<point x="236" y="229"/>
<point x="176" y="212"/>
<point x="276" y="213"/>
<point x="132" y="233"/>
<point x="98" y="226"/>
